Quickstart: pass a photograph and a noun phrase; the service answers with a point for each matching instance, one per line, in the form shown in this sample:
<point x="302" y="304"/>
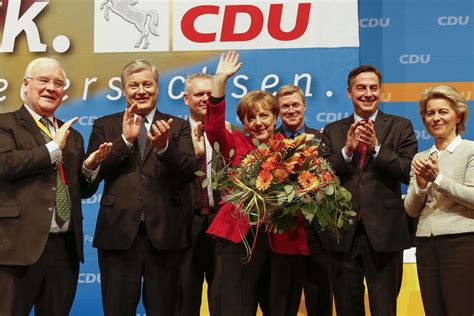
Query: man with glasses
<point x="317" y="288"/>
<point x="41" y="186"/>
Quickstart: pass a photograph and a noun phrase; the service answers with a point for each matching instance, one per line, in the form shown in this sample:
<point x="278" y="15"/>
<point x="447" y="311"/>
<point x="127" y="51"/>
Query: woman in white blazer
<point x="441" y="194"/>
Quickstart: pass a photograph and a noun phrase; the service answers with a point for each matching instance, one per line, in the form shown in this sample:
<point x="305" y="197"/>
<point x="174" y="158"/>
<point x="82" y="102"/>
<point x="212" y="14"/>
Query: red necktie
<point x="362" y="150"/>
<point x="202" y="197"/>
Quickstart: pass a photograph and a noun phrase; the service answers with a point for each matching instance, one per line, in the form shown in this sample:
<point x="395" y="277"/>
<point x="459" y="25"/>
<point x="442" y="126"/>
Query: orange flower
<point x="326" y="177"/>
<point x="308" y="180"/>
<point x="276" y="145"/>
<point x="248" y="160"/>
<point x="280" y="175"/>
<point x="270" y="163"/>
<point x="264" y="180"/>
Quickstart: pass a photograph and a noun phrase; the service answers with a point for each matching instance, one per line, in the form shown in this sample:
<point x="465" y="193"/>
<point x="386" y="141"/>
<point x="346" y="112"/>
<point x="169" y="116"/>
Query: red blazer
<point x="229" y="222"/>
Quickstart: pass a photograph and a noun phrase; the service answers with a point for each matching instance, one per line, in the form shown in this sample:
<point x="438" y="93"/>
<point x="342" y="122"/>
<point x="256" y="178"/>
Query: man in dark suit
<point x="141" y="226"/>
<point x="317" y="288"/>
<point x="371" y="153"/>
<point x="41" y="186"/>
<point x="199" y="259"/>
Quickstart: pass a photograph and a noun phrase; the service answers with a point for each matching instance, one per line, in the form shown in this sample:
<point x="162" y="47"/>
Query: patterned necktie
<point x="202" y="197"/>
<point x="63" y="204"/>
<point x="142" y="136"/>
<point x="294" y="135"/>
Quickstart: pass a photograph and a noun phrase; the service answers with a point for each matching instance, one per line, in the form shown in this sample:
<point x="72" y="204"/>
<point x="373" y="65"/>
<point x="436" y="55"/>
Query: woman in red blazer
<point x="273" y="277"/>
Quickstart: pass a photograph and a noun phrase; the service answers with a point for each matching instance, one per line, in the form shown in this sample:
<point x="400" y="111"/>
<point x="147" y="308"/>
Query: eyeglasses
<point x="43" y="82"/>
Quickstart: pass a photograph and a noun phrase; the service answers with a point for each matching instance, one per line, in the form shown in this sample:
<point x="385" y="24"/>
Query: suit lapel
<point x="30" y="125"/>
<point x="381" y="122"/>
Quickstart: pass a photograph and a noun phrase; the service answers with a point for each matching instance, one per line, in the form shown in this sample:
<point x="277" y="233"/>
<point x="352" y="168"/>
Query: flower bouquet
<point x="278" y="181"/>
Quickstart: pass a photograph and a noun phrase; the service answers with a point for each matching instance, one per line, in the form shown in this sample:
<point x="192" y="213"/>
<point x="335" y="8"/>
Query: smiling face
<point x="441" y="119"/>
<point x="196" y="97"/>
<point x="141" y="88"/>
<point x="260" y="123"/>
<point x="292" y="108"/>
<point x="44" y="87"/>
<point x="365" y="94"/>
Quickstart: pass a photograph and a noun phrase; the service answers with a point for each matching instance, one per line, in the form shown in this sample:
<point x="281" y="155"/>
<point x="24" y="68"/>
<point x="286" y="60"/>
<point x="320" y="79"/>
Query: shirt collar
<point x="149" y="117"/>
<point x="36" y="116"/>
<point x="451" y="147"/>
<point x="288" y="133"/>
<point x="357" y="118"/>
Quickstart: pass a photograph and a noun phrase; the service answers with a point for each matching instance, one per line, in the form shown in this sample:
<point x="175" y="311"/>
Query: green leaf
<point x="217" y="147"/>
<point x="329" y="190"/>
<point x="288" y="188"/>
<point x="291" y="196"/>
<point x="231" y="153"/>
<point x="255" y="142"/>
<point x="205" y="183"/>
<point x="199" y="173"/>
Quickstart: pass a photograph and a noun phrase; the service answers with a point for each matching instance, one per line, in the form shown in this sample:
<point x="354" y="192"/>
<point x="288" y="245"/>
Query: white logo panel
<point x="131" y="26"/>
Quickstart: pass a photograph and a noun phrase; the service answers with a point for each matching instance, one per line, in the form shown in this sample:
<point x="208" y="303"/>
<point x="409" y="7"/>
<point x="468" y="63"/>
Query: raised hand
<point x="161" y="130"/>
<point x="130" y="126"/>
<point x="426" y="170"/>
<point x="94" y="159"/>
<point x="228" y="65"/>
<point x="62" y="133"/>
<point x="198" y="140"/>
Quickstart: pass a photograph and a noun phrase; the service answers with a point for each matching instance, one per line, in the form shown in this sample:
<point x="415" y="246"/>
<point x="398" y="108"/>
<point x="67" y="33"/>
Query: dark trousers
<point x="49" y="284"/>
<point x="272" y="280"/>
<point x="124" y="271"/>
<point x="382" y="272"/>
<point x="445" y="271"/>
<point x="198" y="263"/>
<point x="317" y="286"/>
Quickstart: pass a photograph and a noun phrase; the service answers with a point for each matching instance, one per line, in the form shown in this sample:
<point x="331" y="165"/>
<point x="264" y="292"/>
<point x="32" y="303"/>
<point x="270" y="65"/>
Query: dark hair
<point x="361" y="69"/>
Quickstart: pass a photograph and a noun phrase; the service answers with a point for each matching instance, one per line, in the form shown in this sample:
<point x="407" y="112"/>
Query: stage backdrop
<point x="311" y="43"/>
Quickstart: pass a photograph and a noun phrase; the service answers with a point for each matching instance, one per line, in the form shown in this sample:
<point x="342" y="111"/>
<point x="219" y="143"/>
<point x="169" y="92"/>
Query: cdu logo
<point x="130" y="26"/>
<point x="415" y="59"/>
<point x="453" y="20"/>
<point x="374" y="22"/>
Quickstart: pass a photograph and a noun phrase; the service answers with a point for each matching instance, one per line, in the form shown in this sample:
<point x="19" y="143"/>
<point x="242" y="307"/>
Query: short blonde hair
<point x="252" y="100"/>
<point x="195" y="76"/>
<point x="290" y="89"/>
<point x="453" y="97"/>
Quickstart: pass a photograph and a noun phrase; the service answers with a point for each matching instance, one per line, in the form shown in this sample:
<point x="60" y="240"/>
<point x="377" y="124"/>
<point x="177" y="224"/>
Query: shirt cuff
<point x="419" y="191"/>
<point x="54" y="152"/>
<point x="214" y="100"/>
<point x="129" y="145"/>
<point x="438" y="180"/>
<point x="346" y="157"/>
<point x="375" y="153"/>
<point x="89" y="174"/>
<point x="160" y="152"/>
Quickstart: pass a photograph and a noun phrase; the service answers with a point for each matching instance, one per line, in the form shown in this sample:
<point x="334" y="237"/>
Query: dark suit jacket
<point x="376" y="192"/>
<point x="27" y="184"/>
<point x="157" y="185"/>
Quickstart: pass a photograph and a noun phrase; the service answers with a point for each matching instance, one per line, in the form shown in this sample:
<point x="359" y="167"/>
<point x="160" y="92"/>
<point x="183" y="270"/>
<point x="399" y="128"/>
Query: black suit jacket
<point x="27" y="188"/>
<point x="158" y="186"/>
<point x="376" y="191"/>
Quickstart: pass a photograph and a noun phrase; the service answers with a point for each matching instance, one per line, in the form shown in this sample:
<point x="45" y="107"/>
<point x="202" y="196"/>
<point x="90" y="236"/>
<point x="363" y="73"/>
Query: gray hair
<point x="35" y="62"/>
<point x="138" y="65"/>
<point x="194" y="76"/>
